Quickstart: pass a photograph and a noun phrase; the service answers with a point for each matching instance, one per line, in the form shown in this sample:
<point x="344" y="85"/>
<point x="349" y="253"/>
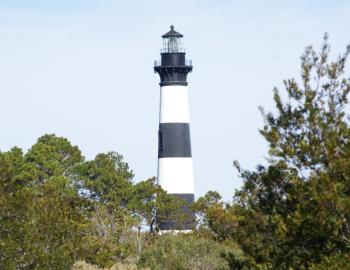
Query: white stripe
<point x="174" y="104"/>
<point x="175" y="175"/>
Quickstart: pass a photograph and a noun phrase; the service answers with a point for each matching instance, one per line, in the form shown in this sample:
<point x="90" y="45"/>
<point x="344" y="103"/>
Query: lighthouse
<point x="175" y="169"/>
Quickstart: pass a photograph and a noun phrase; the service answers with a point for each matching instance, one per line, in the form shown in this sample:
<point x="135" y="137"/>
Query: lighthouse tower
<point x="175" y="172"/>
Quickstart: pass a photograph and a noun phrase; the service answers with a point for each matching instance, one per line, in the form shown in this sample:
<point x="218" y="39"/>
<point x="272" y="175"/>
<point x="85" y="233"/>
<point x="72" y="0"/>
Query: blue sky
<point x="84" y="70"/>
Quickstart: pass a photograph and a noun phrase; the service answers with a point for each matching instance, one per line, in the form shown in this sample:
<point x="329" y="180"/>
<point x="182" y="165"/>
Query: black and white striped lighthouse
<point x="175" y="169"/>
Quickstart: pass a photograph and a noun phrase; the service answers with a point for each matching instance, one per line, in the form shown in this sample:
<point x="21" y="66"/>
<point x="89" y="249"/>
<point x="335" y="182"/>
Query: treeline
<point x="60" y="211"/>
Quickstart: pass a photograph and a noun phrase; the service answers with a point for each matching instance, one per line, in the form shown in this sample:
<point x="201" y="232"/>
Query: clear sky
<point x="83" y="69"/>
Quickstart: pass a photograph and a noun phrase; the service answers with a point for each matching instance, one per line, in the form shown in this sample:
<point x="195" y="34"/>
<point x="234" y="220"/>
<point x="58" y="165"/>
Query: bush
<point x="186" y="251"/>
<point x="81" y="265"/>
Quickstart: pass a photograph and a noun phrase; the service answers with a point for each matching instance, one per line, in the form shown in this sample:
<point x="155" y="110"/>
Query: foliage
<point x="185" y="251"/>
<point x="294" y="213"/>
<point x="336" y="262"/>
<point x="81" y="265"/>
<point x="310" y="130"/>
<point x="57" y="208"/>
<point x="42" y="215"/>
<point x="146" y="197"/>
<point x="107" y="179"/>
<point x="304" y="192"/>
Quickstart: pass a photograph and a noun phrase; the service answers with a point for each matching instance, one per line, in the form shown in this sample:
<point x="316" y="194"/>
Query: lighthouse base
<point x="180" y="220"/>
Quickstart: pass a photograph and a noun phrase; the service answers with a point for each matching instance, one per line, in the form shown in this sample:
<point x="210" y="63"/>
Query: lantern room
<point x="172" y="42"/>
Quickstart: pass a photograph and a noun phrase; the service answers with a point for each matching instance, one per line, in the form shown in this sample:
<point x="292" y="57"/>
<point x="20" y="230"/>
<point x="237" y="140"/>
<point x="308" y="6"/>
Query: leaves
<point x="57" y="208"/>
<point x="309" y="127"/>
<point x="294" y="212"/>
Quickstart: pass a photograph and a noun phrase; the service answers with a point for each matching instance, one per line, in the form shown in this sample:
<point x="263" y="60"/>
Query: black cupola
<point x="173" y="67"/>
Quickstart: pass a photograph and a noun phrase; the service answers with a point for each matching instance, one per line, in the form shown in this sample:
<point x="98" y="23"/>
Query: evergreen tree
<point x="294" y="213"/>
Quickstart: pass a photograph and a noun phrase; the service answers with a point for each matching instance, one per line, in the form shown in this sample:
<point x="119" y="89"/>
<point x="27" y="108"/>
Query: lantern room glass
<point x="172" y="45"/>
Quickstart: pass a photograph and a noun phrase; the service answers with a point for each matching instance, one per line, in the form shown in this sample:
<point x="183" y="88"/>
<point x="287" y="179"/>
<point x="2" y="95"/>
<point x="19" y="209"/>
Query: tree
<point x="294" y="213"/>
<point x="107" y="179"/>
<point x="299" y="204"/>
<point x="310" y="130"/>
<point x="57" y="208"/>
<point x="45" y="222"/>
<point x="53" y="156"/>
<point x="41" y="215"/>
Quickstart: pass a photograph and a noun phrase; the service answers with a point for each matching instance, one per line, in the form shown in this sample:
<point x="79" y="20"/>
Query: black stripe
<point x="174" y="140"/>
<point x="185" y="222"/>
<point x="173" y="83"/>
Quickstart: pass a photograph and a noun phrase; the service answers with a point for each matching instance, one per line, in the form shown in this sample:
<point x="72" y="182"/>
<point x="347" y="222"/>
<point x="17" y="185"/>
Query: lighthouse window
<point x="160" y="140"/>
<point x="172" y="45"/>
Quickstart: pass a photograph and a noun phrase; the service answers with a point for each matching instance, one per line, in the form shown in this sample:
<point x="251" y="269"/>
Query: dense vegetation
<point x="60" y="211"/>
